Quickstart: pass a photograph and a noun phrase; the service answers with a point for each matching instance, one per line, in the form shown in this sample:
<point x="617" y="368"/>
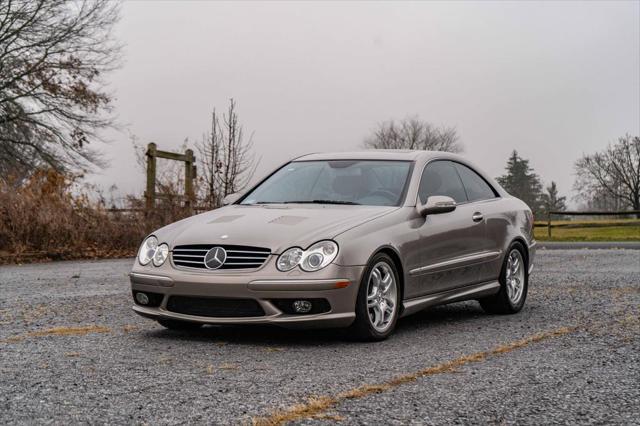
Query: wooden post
<point x="150" y="193"/>
<point x="549" y="225"/>
<point x="190" y="172"/>
<point x="194" y="175"/>
<point x="188" y="179"/>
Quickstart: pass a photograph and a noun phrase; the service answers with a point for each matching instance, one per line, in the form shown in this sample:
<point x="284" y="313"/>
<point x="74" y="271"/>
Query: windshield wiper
<point x="350" y="203"/>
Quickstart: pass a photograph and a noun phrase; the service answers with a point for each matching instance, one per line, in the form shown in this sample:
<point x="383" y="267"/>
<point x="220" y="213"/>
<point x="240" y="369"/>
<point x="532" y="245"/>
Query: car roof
<point x="371" y="154"/>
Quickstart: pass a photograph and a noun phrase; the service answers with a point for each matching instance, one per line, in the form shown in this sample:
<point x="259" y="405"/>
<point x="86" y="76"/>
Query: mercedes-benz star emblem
<point x="215" y="258"/>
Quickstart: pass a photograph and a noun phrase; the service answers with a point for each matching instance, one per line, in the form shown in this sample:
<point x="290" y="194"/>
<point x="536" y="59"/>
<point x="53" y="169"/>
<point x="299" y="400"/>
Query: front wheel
<point x="378" y="301"/>
<point x="514" y="283"/>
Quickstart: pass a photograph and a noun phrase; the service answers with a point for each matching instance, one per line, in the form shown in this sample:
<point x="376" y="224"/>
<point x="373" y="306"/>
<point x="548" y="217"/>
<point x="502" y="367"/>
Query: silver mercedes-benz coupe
<point x="353" y="239"/>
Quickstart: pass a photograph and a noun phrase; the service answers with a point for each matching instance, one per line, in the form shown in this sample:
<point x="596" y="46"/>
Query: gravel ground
<point x="72" y="351"/>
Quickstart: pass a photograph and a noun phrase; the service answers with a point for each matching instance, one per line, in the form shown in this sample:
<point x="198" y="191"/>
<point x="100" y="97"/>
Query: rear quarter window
<point x="476" y="187"/>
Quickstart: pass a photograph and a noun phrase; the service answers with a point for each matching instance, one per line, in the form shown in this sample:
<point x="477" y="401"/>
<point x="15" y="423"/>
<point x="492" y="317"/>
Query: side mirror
<point x="437" y="204"/>
<point x="231" y="198"/>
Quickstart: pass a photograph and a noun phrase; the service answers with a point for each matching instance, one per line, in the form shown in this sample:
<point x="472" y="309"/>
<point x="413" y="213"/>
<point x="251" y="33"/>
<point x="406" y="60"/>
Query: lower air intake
<point x="215" y="307"/>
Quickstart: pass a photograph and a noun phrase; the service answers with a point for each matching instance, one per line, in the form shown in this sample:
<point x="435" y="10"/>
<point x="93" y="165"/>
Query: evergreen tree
<point x="522" y="182"/>
<point x="552" y="201"/>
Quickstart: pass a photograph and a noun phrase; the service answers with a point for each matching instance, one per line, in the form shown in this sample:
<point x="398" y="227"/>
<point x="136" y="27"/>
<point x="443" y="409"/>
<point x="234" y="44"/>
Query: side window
<point x="477" y="188"/>
<point x="440" y="178"/>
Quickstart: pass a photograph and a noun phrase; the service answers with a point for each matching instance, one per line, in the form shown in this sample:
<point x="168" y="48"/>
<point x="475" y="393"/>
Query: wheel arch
<point x="393" y="253"/>
<point x="525" y="246"/>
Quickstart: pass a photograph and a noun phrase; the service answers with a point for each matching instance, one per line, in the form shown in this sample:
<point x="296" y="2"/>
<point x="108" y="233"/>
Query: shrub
<point x="50" y="216"/>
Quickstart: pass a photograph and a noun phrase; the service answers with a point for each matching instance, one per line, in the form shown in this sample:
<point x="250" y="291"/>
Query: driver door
<point x="448" y="241"/>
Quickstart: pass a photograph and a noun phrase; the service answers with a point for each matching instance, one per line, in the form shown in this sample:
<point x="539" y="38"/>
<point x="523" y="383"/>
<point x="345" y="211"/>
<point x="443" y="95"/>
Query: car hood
<point x="277" y="227"/>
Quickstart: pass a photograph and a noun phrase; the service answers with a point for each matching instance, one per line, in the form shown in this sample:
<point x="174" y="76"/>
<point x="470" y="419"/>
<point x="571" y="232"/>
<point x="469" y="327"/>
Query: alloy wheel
<point x="382" y="295"/>
<point x="515" y="276"/>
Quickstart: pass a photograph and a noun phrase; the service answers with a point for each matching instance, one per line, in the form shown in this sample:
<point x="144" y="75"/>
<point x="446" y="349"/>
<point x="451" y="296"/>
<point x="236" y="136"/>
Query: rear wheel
<point x="378" y="300"/>
<point x="514" y="283"/>
<point x="179" y="325"/>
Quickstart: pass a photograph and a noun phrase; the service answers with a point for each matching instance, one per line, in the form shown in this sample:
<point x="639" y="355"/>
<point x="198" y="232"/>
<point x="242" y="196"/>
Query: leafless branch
<point x="413" y="133"/>
<point x="53" y="103"/>
<point x="226" y="157"/>
<point x="614" y="173"/>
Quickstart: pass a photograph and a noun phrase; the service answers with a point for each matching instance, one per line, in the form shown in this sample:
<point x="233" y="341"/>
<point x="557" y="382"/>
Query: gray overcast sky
<point x="552" y="80"/>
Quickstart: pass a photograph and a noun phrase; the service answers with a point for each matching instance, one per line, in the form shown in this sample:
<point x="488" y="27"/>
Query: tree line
<point x="606" y="180"/>
<point x="55" y="54"/>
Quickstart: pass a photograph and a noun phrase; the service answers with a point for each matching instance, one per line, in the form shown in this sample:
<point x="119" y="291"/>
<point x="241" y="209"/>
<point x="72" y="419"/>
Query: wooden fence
<point x="550" y="225"/>
<point x="189" y="175"/>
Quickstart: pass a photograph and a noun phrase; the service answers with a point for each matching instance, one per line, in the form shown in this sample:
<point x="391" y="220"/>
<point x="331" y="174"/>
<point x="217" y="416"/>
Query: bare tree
<point x="614" y="172"/>
<point x="600" y="200"/>
<point x="53" y="102"/>
<point x="413" y="133"/>
<point x="226" y="157"/>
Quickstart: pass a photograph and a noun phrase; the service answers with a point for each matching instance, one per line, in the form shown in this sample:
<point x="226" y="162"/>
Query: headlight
<point x="289" y="259"/>
<point x="316" y="257"/>
<point x="147" y="250"/>
<point x="161" y="254"/>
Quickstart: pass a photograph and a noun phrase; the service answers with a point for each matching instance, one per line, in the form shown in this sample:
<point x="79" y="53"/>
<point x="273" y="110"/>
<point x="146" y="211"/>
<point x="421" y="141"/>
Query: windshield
<point x="372" y="183"/>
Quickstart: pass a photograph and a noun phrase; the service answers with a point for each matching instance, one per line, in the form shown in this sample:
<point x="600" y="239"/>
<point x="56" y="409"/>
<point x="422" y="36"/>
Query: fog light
<point x="302" y="306"/>
<point x="142" y="298"/>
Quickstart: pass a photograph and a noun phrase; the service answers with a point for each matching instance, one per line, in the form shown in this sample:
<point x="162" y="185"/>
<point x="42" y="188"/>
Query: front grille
<point x="214" y="307"/>
<point x="238" y="257"/>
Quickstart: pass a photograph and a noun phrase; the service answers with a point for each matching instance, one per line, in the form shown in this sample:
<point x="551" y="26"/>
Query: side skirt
<point x="456" y="295"/>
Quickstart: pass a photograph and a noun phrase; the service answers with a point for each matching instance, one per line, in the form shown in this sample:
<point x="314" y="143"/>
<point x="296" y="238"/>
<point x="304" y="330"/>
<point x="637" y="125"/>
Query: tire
<point x="179" y="325"/>
<point x="377" y="321"/>
<point x="511" y="297"/>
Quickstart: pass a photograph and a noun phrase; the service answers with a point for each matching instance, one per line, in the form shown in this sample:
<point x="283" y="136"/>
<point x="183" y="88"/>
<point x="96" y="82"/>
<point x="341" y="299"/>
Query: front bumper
<point x="338" y="285"/>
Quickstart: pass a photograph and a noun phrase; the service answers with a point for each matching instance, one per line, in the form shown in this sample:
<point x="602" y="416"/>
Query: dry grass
<point x="60" y="331"/>
<point x="51" y="216"/>
<point x="316" y="406"/>
<point x="69" y="331"/>
<point x="128" y="328"/>
<point x="228" y="366"/>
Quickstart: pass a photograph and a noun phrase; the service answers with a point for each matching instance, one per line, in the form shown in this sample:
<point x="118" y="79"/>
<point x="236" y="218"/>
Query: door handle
<point x="477" y="217"/>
